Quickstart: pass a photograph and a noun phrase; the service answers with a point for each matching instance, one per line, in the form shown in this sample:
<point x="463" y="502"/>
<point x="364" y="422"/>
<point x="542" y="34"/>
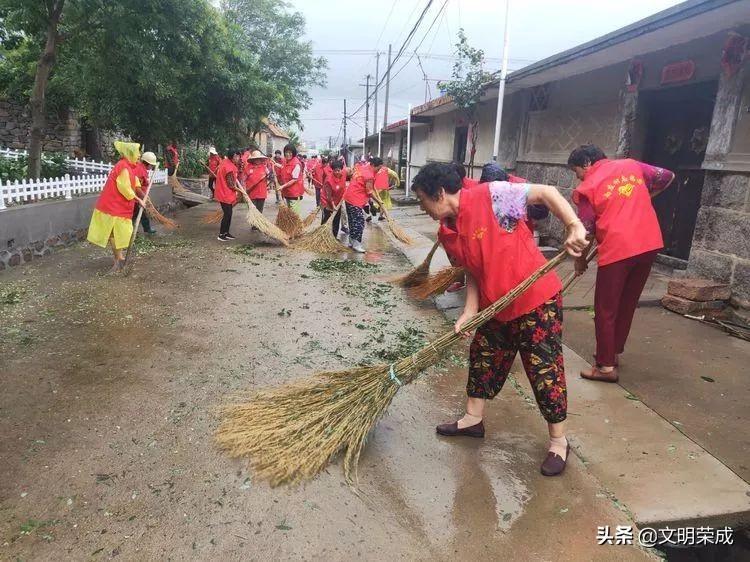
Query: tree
<point x="160" y="69"/>
<point x="27" y="23"/>
<point x="271" y="34"/>
<point x="469" y="80"/>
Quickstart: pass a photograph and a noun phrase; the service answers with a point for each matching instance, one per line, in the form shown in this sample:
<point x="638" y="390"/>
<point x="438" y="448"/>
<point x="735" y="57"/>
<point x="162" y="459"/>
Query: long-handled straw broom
<point x="125" y="270"/>
<point x="292" y="432"/>
<point x="255" y="218"/>
<point x="154" y="214"/>
<point x="321" y="239"/>
<point x="437" y="283"/>
<point x="396" y="230"/>
<point x="420" y="273"/>
<point x="572" y="277"/>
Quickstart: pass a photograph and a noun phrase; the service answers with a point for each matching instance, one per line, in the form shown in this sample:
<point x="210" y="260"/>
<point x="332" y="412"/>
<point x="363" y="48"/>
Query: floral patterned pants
<point x="538" y="337"/>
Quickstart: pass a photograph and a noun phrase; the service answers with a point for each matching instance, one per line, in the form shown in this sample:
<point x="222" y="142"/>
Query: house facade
<point x="672" y="90"/>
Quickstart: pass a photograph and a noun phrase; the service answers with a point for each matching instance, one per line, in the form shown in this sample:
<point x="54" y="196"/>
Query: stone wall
<point x="32" y="231"/>
<point x="63" y="132"/>
<point x="550" y="230"/>
<point x="721" y="242"/>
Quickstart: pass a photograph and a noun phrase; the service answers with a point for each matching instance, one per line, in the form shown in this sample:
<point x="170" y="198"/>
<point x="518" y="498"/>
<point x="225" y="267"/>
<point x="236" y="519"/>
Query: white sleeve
<point x="296" y="172"/>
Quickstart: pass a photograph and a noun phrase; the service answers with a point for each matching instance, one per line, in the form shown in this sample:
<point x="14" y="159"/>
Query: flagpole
<point x="408" y="154"/>
<point x="501" y="85"/>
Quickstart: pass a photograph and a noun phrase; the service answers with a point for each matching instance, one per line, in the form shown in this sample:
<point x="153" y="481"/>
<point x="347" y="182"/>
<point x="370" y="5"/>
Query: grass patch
<point x="11" y="295"/>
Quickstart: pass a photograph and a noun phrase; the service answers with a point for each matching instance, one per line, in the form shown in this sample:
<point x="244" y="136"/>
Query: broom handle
<point x="138" y="217"/>
<point x="482" y="316"/>
<point x="570" y="280"/>
<point x="209" y="169"/>
<point x="431" y="253"/>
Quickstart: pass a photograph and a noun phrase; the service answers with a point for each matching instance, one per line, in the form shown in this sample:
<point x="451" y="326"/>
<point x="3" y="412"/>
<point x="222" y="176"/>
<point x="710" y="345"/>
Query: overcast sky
<point x="539" y="28"/>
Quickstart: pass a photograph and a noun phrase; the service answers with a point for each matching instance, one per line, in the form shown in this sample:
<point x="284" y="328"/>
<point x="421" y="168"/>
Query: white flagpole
<point x="501" y="86"/>
<point x="408" y="154"/>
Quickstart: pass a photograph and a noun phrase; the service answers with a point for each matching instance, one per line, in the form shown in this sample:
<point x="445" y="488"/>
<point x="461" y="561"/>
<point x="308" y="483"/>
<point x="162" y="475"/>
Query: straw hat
<point x="256" y="155"/>
<point x="212" y="150"/>
<point x="149" y="158"/>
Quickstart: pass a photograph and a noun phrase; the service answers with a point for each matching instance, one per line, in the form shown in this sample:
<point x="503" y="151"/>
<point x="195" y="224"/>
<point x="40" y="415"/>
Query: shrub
<point x="192" y="161"/>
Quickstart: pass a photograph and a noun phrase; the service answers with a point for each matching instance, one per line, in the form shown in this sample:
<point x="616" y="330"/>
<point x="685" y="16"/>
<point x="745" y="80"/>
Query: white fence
<point x="31" y="191"/>
<point x="77" y="164"/>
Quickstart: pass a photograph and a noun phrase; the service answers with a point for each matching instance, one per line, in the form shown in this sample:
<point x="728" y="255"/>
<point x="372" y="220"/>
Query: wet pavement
<point x="111" y="393"/>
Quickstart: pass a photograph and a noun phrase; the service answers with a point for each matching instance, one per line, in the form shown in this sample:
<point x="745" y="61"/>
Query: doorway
<point x="678" y="122"/>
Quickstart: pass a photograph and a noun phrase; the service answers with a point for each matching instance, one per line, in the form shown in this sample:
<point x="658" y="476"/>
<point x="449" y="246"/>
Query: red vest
<point x="626" y="223"/>
<point x="222" y="192"/>
<point x="213" y="162"/>
<point x="111" y="201"/>
<point x="173" y="156"/>
<point x="356" y="194"/>
<point x="297" y="189"/>
<point x="256" y="172"/>
<point x="497" y="259"/>
<point x="140" y="171"/>
<point x="336" y="186"/>
<point x="381" y="179"/>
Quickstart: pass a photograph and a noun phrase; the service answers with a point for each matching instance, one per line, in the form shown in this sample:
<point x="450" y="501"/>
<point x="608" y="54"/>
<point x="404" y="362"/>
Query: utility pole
<point x="367" y="112"/>
<point x="377" y="81"/>
<point x="501" y="85"/>
<point x="387" y="86"/>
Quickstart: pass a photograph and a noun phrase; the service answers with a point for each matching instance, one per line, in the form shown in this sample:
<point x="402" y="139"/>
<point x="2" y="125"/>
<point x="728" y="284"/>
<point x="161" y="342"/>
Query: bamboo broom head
<point x="398" y="232"/>
<point x="419" y="274"/>
<point x="436" y="283"/>
<point x="175" y="184"/>
<point x="255" y="218"/>
<point x="288" y="221"/>
<point x="291" y="433"/>
<point x="154" y="214"/>
<point x="310" y="219"/>
<point x="320" y="240"/>
<point x="214" y="217"/>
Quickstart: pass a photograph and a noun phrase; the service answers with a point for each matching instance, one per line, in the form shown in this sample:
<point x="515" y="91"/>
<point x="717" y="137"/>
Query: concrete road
<point x="112" y="388"/>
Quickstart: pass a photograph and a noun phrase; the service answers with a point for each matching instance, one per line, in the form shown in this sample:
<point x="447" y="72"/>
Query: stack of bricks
<point x="697" y="297"/>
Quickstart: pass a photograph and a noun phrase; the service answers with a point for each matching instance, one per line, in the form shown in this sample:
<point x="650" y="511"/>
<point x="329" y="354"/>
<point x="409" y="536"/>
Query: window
<point x="459" y="144"/>
<point x="539" y="98"/>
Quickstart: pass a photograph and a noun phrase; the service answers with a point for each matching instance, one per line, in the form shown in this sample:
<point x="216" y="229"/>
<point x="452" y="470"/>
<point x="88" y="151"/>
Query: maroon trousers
<point x="618" y="287"/>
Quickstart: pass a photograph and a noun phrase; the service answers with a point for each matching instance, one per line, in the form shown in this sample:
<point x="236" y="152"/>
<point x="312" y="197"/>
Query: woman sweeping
<point x="385" y="180"/>
<point x="334" y="186"/>
<point x="226" y="191"/>
<point x="111" y="222"/>
<point x="484" y="229"/>
<point x="356" y="197"/>
<point x="292" y="179"/>
<point x="256" y="184"/>
<point x="614" y="202"/>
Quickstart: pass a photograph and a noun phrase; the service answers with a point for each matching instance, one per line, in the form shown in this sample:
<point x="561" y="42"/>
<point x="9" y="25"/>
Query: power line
<point x="388" y="19"/>
<point x="406" y="42"/>
<point x="426" y="55"/>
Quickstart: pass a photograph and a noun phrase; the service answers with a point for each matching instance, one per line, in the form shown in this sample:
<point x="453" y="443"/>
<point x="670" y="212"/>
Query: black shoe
<point x="229" y="236"/>
<point x="369" y="218"/>
<point x="222" y="238"/>
<point x="151" y="231"/>
<point x="381" y="218"/>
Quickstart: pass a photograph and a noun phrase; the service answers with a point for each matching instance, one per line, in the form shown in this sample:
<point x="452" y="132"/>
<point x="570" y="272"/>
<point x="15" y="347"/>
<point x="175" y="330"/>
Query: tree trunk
<point x="474" y="132"/>
<point x="37" y="100"/>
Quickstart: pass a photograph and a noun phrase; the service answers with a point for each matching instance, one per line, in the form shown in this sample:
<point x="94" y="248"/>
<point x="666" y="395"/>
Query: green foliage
<point x="468" y="76"/>
<point x="192" y="162"/>
<point x="161" y="69"/>
<point x="53" y="166"/>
